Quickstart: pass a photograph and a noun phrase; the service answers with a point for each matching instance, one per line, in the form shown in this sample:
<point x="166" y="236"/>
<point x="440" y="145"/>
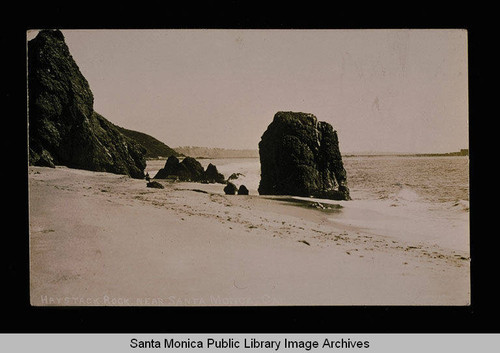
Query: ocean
<point x="422" y="199"/>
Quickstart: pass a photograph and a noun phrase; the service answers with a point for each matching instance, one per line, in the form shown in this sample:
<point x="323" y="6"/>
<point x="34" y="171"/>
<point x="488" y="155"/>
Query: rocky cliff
<point x="154" y="147"/>
<point x="64" y="129"/>
<point x="300" y="156"/>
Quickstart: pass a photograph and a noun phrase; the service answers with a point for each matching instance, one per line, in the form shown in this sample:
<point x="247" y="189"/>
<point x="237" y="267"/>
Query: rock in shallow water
<point x="212" y="175"/>
<point x="300" y="156"/>
<point x="243" y="190"/>
<point x="155" y="185"/>
<point x="189" y="170"/>
<point x="230" y="189"/>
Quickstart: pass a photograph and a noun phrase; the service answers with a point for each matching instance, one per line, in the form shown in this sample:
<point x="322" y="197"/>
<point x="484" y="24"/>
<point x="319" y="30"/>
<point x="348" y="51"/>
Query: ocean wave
<point x="407" y="194"/>
<point x="391" y="184"/>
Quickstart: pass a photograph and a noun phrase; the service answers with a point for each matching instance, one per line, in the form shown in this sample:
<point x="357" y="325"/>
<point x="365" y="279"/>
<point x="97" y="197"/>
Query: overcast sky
<point x="382" y="90"/>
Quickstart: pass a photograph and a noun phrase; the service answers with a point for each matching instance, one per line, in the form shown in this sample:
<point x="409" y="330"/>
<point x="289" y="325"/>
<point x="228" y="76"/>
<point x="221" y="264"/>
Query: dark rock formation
<point x="154" y="148"/>
<point x="235" y="176"/>
<point x="42" y="160"/>
<point x="230" y="189"/>
<point x="154" y="184"/>
<point x="300" y="156"/>
<point x="64" y="129"/>
<point x="189" y="170"/>
<point x="243" y="190"/>
<point x="171" y="169"/>
<point x="215" y="153"/>
<point x="175" y="169"/>
<point x="212" y="175"/>
<point x="192" y="169"/>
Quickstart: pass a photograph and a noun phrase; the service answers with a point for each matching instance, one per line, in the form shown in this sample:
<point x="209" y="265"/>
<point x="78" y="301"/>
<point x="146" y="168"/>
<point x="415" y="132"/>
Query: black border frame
<point x="480" y="317"/>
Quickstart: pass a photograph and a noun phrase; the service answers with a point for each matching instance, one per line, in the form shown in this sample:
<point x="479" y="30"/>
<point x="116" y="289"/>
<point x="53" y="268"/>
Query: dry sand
<point x="105" y="239"/>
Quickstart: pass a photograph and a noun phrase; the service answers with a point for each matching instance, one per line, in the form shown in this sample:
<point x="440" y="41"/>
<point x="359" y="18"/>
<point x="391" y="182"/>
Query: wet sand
<point x="105" y="239"/>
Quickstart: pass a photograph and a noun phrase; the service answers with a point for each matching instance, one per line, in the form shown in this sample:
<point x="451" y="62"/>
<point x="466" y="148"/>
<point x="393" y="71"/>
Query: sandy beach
<point x="106" y="239"/>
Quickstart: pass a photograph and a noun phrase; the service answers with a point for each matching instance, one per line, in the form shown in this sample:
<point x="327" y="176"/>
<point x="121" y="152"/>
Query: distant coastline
<point x="223" y="153"/>
<point x="461" y="153"/>
<point x="215" y="153"/>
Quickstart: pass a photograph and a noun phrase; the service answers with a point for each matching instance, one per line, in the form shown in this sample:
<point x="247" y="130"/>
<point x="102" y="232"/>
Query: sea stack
<point x="64" y="129"/>
<point x="300" y="156"/>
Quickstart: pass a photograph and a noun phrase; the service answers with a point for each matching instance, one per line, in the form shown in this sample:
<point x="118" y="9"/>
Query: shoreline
<point x="97" y="235"/>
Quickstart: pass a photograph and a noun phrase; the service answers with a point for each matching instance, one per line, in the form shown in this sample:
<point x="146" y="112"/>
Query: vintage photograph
<point x="248" y="167"/>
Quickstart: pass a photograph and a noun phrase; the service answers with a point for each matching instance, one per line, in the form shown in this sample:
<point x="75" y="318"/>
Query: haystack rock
<point x="64" y="129"/>
<point x="300" y="156"/>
